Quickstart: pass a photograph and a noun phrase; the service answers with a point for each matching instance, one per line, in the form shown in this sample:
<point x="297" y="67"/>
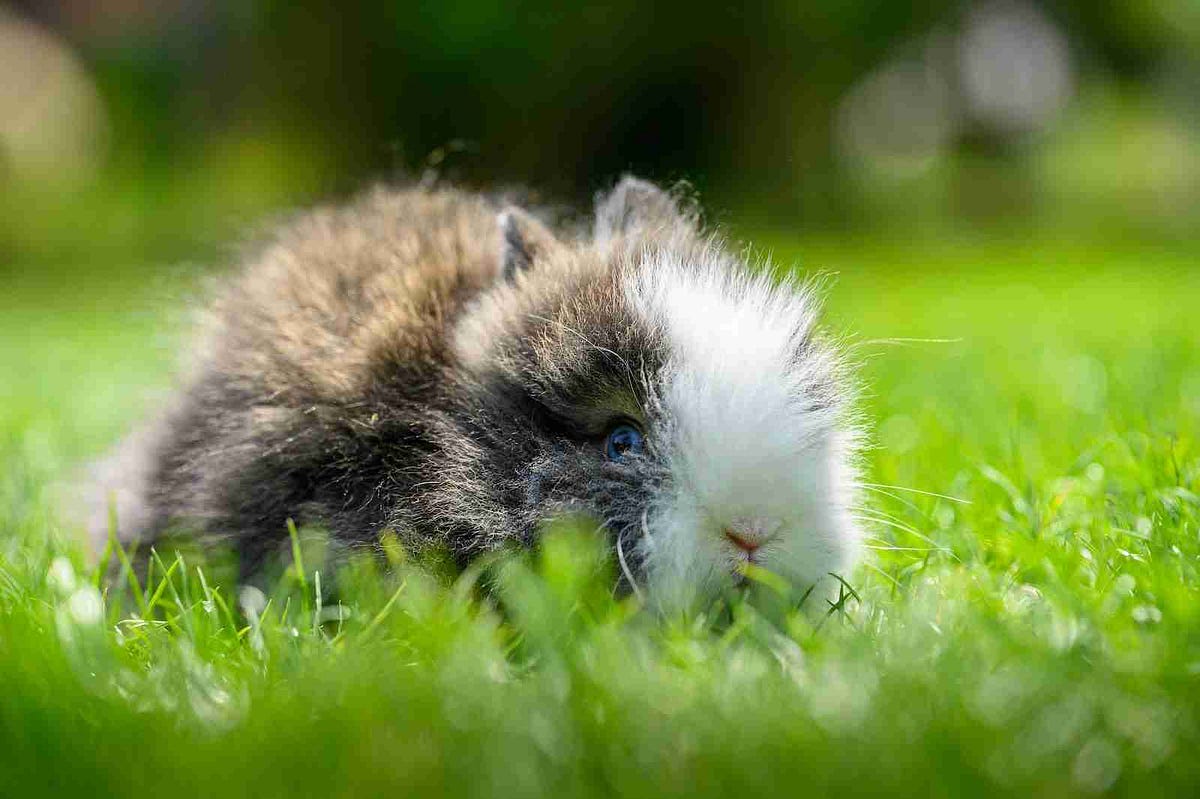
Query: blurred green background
<point x="138" y="131"/>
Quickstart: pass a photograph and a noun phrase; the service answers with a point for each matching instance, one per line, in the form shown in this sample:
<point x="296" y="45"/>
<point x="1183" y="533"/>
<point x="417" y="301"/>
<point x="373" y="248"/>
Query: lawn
<point x="1027" y="620"/>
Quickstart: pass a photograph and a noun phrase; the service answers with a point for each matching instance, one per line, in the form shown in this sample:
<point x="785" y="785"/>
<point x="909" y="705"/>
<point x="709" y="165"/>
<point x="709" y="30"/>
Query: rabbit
<point x="438" y="364"/>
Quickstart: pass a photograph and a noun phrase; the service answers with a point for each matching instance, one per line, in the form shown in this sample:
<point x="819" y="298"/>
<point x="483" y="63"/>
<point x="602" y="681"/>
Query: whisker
<point x="878" y="486"/>
<point x="874" y="515"/>
<point x="884" y="544"/>
<point x="905" y="502"/>
<point x="903" y="549"/>
<point x="934" y="544"/>
<point x="865" y="511"/>
<point x="881" y="536"/>
<point x="889" y="523"/>
<point x="878" y="570"/>
<point x="904" y="341"/>
<point x="626" y="570"/>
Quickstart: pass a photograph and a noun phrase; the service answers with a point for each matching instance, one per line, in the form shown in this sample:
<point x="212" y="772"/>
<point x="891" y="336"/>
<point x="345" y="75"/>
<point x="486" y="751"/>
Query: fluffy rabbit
<point x="430" y="362"/>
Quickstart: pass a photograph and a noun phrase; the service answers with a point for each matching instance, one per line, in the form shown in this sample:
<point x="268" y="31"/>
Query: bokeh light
<point x="52" y="120"/>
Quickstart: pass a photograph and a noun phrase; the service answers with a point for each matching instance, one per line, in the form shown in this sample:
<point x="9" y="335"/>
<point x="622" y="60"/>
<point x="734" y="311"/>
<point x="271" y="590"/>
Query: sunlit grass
<point x="1027" y="621"/>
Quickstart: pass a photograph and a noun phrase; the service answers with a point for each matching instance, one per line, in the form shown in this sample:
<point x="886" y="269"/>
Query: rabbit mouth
<point x="744" y="552"/>
<point x="744" y="544"/>
<point x="748" y="536"/>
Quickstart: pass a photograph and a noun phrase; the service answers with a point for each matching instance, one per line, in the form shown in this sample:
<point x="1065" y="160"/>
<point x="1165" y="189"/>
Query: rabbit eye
<point x="622" y="441"/>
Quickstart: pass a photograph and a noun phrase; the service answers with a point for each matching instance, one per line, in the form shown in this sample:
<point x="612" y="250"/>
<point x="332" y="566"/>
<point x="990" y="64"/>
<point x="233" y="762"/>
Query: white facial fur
<point x="748" y="447"/>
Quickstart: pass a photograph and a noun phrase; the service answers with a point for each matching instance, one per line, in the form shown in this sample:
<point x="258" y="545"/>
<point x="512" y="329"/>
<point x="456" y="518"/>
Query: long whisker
<point x="880" y="548"/>
<point x="626" y="570"/>
<point x="905" y="502"/>
<point x="920" y="535"/>
<point x="879" y="486"/>
<point x="870" y="514"/>
<point x="894" y="525"/>
<point x="904" y="341"/>
<point x="878" y="570"/>
<point x="884" y="544"/>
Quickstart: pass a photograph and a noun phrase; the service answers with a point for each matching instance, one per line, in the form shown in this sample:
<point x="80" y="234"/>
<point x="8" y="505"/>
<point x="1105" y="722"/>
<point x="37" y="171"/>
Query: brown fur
<point x="346" y="294"/>
<point x="329" y="384"/>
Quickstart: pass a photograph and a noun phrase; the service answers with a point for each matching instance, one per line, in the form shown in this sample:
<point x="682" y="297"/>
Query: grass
<point x="1033" y="629"/>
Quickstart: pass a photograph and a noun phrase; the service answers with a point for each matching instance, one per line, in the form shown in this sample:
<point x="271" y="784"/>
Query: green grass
<point x="1040" y="632"/>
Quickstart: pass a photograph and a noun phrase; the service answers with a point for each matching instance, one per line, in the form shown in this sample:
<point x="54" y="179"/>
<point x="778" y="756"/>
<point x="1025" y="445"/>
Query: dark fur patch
<point x="326" y="388"/>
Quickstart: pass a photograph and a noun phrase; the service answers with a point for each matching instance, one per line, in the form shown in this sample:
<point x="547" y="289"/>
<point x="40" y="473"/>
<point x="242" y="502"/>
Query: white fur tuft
<point x="749" y="442"/>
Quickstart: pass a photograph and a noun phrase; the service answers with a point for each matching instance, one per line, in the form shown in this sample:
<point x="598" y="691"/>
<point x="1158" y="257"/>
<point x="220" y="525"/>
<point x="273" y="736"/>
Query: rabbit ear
<point x="523" y="240"/>
<point x="634" y="204"/>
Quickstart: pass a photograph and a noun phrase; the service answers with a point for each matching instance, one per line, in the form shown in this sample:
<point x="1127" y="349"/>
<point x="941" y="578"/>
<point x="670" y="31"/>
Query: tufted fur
<point x="420" y="362"/>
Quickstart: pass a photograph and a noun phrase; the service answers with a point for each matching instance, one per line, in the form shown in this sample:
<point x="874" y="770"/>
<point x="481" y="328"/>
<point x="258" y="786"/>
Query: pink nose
<point x="742" y="541"/>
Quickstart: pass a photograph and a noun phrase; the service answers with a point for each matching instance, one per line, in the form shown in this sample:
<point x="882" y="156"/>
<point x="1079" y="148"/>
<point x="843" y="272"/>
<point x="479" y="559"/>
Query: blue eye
<point x="623" y="440"/>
